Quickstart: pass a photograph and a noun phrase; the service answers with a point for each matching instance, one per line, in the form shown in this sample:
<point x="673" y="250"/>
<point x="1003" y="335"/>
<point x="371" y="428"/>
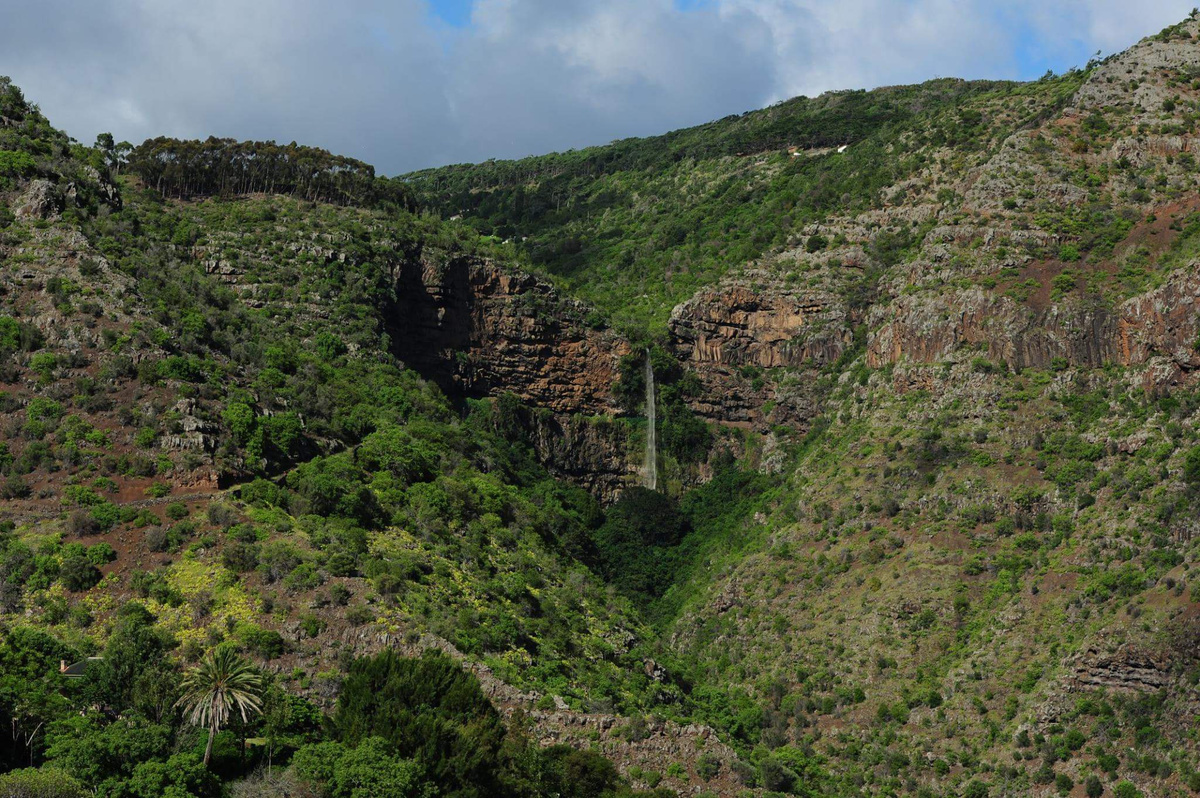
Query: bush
<point x="708" y="767"/>
<point x="222" y="515"/>
<point x="1191" y="467"/>
<point x="101" y="553"/>
<point x="157" y="539"/>
<point x="183" y="774"/>
<point x="429" y="709"/>
<point x="1127" y="789"/>
<point x="77" y="573"/>
<point x="240" y="557"/>
<point x="975" y="789"/>
<point x="41" y="783"/>
<point x="81" y="523"/>
<point x="14" y="488"/>
<point x="266" y="643"/>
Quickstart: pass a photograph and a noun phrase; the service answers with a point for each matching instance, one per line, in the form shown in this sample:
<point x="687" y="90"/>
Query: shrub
<point x="78" y="573"/>
<point x="370" y="768"/>
<point x="975" y="789"/>
<point x="267" y="643"/>
<point x="707" y="767"/>
<point x="14" y="488"/>
<point x="240" y="557"/>
<point x="157" y="539"/>
<point x="81" y="523"/>
<point x="1191" y="467"/>
<point x="158" y="489"/>
<point x="101" y="553"/>
<point x="222" y="515"/>
<point x="44" y="364"/>
<point x="311" y="624"/>
<point x="41" y="783"/>
<point x="1126" y="789"/>
<point x="339" y="594"/>
<point x="428" y="708"/>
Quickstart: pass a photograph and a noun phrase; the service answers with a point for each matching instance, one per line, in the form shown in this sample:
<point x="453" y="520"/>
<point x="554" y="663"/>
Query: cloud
<point x="387" y="81"/>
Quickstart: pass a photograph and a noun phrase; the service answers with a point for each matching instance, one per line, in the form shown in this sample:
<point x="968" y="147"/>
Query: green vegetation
<point x="402" y="727"/>
<point x="226" y="167"/>
<point x="638" y="225"/>
<point x="931" y="533"/>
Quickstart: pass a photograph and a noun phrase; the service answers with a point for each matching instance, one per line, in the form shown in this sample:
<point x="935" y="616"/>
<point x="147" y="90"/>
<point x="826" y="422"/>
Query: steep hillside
<point x="929" y="438"/>
<point x="637" y="226"/>
<point x="978" y="569"/>
<point x="205" y="414"/>
<point x="978" y="396"/>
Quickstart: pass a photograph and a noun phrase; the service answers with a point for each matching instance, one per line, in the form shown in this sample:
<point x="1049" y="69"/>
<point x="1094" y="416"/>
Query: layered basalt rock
<point x="731" y="334"/>
<point x="1159" y="328"/>
<point x="739" y="325"/>
<point x="479" y="330"/>
<point x="1130" y="669"/>
<point x="592" y="452"/>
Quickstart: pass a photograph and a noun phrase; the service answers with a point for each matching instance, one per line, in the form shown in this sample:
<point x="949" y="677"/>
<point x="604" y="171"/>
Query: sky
<point x="408" y="84"/>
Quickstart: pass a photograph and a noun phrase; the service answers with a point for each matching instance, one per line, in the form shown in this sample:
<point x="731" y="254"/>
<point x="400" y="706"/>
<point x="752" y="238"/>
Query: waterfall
<point x="651" y="476"/>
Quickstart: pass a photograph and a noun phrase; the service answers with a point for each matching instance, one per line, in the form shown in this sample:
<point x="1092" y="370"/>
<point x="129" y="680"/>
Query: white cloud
<point x="377" y="80"/>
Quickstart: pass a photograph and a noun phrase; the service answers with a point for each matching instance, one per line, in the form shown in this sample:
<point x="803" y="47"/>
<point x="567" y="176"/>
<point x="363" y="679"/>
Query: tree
<point x="428" y="709"/>
<point x="107" y="148"/>
<point x="369" y="769"/>
<point x="288" y="722"/>
<point x="1191" y="467"/>
<point x="221" y="683"/>
<point x="135" y="647"/>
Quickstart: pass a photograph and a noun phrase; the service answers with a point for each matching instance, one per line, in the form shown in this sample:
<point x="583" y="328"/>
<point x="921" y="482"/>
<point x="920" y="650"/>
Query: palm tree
<point x="221" y="683"/>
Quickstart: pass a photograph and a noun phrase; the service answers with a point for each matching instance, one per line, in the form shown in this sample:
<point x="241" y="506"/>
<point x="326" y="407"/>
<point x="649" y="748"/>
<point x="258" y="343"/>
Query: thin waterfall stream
<point x="650" y="478"/>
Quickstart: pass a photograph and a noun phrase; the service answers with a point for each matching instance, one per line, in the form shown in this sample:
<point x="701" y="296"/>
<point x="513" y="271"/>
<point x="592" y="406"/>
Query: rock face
<point x="1129" y="669"/>
<point x="479" y="330"/>
<point x="591" y="453"/>
<point x="1162" y="324"/>
<point x="40" y="201"/>
<point x="969" y="278"/>
<point x="727" y="334"/>
<point x="739" y="325"/>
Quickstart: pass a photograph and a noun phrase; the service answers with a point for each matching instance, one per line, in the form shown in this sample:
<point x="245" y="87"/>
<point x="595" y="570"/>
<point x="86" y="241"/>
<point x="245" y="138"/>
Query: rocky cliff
<point x="479" y="329"/>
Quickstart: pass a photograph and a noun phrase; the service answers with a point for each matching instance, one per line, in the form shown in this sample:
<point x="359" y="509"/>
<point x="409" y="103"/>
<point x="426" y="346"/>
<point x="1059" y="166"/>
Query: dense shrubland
<point x="401" y="727"/>
<point x="891" y="605"/>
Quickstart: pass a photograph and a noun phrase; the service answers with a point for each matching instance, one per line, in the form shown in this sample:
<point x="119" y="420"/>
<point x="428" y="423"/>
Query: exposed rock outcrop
<point x="480" y="330"/>
<point x="1128" y="669"/>
<point x="740" y="325"/>
<point x="729" y="333"/>
<point x="39" y="201"/>
<point x="1162" y="323"/>
<point x="589" y="452"/>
